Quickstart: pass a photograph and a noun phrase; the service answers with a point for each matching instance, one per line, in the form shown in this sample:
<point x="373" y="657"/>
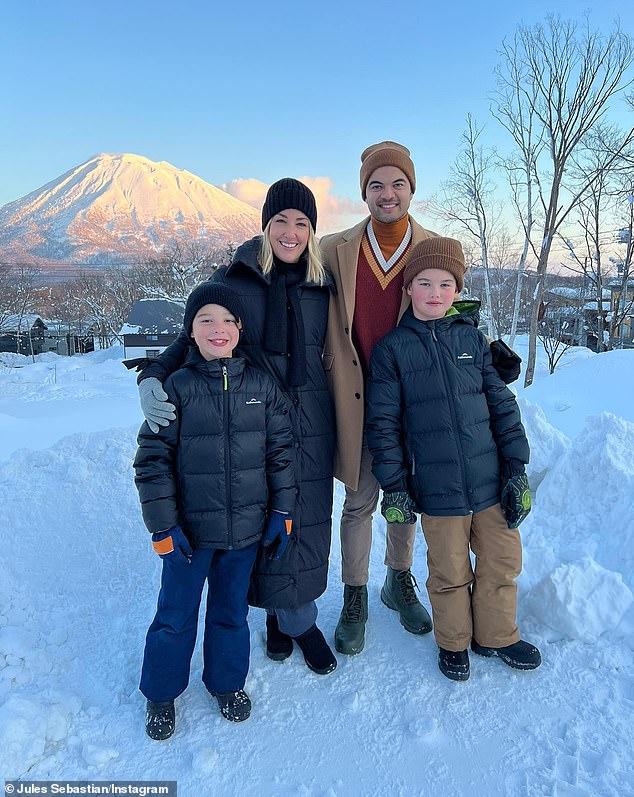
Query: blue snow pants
<point x="170" y="640"/>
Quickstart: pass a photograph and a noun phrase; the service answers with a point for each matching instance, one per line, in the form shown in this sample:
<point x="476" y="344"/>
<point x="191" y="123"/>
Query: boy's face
<point x="433" y="291"/>
<point x="215" y="331"/>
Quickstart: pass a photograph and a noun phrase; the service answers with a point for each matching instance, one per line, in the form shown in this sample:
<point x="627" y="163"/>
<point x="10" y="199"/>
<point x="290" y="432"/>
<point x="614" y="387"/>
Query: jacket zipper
<point x="225" y="404"/>
<point x="454" y="419"/>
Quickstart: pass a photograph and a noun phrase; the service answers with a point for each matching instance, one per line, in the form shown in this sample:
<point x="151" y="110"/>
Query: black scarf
<point x="284" y="328"/>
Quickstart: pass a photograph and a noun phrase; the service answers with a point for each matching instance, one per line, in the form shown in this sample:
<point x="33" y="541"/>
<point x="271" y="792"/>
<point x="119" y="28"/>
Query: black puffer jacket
<point x="226" y="458"/>
<point x="301" y="574"/>
<point x="439" y="418"/>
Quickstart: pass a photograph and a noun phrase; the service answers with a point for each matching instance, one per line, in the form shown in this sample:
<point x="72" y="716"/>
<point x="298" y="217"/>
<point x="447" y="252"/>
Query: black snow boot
<point x="454" y="664"/>
<point x="279" y="646"/>
<point x="317" y="653"/>
<point x="350" y="630"/>
<point x="521" y="656"/>
<point x="234" y="706"/>
<point x="398" y="594"/>
<point x="160" y="720"/>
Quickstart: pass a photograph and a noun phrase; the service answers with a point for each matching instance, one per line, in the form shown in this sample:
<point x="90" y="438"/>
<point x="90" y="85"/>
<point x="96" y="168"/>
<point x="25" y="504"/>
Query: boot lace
<point x="407" y="582"/>
<point x="352" y="605"/>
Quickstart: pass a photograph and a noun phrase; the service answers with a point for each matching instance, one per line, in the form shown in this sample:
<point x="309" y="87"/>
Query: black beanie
<point x="289" y="194"/>
<point x="211" y="293"/>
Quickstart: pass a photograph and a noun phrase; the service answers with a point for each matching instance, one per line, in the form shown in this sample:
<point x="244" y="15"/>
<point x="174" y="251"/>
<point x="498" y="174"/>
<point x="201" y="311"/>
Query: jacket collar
<point x="194" y="359"/>
<point x="468" y="313"/>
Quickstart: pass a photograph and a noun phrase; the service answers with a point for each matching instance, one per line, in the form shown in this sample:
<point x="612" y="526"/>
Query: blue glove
<point x="277" y="534"/>
<point x="172" y="544"/>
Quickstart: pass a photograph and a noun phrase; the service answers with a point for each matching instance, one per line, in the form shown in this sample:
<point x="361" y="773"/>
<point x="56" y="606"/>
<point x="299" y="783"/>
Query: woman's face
<point x="288" y="235"/>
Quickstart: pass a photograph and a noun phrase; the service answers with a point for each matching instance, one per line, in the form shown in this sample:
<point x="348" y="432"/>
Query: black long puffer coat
<point x="224" y="461"/>
<point x="301" y="574"/>
<point x="439" y="418"/>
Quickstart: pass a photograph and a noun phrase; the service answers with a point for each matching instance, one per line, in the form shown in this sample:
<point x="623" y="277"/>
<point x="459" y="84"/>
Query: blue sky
<point x="253" y="90"/>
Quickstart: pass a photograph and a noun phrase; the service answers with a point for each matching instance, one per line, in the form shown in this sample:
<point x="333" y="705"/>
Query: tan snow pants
<point x="468" y="603"/>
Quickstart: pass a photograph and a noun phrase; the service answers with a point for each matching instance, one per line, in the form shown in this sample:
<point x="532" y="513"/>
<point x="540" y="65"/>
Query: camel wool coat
<point x="341" y="361"/>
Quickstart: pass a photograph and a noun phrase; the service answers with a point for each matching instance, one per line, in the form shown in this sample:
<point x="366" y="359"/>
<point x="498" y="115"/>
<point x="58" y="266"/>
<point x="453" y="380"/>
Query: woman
<point x="284" y="290"/>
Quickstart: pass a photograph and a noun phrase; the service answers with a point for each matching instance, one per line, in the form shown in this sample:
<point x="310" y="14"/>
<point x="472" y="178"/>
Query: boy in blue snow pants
<point x="213" y="485"/>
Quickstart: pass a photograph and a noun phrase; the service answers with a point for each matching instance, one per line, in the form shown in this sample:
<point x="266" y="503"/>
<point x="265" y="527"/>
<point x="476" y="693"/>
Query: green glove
<point x="515" y="497"/>
<point x="398" y="508"/>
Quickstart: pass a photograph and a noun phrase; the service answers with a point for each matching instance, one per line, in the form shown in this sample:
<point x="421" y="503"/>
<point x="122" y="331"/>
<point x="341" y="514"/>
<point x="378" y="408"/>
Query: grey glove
<point x="157" y="410"/>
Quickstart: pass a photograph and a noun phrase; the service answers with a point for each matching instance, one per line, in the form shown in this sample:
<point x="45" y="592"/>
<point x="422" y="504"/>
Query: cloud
<point x="247" y="190"/>
<point x="333" y="212"/>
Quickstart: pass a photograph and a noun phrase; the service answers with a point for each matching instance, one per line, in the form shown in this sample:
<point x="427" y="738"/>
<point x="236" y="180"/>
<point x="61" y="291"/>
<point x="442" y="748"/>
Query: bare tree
<point x="567" y="79"/>
<point x="467" y="200"/>
<point x="517" y="115"/>
<point x="174" y="272"/>
<point x="623" y="303"/>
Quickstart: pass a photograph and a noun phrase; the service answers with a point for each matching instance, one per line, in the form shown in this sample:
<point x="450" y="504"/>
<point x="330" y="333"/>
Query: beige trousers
<point x="356" y="530"/>
<point x="468" y="603"/>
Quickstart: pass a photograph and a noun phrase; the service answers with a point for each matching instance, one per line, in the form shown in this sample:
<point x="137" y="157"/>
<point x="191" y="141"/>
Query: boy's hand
<point x="515" y="498"/>
<point x="277" y="534"/>
<point x="154" y="405"/>
<point x="398" y="507"/>
<point x="172" y="544"/>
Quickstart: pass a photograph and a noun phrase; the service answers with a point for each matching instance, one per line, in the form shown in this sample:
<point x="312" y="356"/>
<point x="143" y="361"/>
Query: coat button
<point x="347" y="331"/>
<point x="357" y="395"/>
<point x="354" y="362"/>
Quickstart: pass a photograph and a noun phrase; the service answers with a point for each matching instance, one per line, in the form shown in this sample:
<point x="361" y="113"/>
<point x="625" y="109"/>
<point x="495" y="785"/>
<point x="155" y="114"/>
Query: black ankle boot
<point x="317" y="654"/>
<point x="160" y="720"/>
<point x="234" y="706"/>
<point x="279" y="646"/>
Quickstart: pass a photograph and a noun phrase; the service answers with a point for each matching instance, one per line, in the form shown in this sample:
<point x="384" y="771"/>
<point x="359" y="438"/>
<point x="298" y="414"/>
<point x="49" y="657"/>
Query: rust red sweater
<point x="378" y="293"/>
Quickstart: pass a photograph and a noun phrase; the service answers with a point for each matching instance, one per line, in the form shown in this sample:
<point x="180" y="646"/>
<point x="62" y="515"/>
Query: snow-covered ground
<point x="79" y="583"/>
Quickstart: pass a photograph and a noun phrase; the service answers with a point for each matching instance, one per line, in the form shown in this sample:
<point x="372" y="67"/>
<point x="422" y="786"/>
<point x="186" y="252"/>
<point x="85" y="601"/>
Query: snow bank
<point x="581" y="600"/>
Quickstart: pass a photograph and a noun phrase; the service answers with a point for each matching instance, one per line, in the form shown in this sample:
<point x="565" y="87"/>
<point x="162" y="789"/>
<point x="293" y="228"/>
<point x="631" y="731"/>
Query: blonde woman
<point x="284" y="290"/>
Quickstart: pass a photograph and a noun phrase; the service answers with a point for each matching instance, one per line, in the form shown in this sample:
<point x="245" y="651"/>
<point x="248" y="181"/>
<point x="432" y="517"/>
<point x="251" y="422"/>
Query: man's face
<point x="388" y="194"/>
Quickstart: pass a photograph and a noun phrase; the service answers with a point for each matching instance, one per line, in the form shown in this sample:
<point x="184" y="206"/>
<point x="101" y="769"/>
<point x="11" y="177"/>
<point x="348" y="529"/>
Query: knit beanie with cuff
<point x="436" y="252"/>
<point x="211" y="293"/>
<point x="289" y="194"/>
<point x="386" y="153"/>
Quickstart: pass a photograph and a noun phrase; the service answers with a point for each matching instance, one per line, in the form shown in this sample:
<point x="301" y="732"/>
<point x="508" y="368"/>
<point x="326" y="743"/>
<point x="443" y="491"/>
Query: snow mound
<point x="547" y="443"/>
<point x="581" y="600"/>
<point x="584" y="504"/>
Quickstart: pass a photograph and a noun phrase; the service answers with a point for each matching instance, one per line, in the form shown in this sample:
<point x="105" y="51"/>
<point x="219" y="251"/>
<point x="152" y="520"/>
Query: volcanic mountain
<point x="114" y="208"/>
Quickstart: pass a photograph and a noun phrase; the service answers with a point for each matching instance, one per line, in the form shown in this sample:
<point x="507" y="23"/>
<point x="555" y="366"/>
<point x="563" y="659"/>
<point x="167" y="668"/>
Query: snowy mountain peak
<point x="115" y="207"/>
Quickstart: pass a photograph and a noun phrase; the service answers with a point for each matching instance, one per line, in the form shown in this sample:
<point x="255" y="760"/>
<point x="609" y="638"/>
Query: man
<point x="367" y="264"/>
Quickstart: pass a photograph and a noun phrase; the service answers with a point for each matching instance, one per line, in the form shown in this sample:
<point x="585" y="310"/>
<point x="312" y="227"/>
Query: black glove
<point x="505" y="361"/>
<point x="515" y="497"/>
<point x="398" y="507"/>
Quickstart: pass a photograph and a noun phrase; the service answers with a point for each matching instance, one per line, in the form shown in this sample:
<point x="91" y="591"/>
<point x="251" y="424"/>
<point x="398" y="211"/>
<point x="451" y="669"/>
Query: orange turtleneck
<point x="389" y="235"/>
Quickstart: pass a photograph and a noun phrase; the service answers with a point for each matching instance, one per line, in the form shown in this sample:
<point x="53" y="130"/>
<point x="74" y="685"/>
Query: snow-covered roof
<point x="24" y="322"/>
<point x="154" y="317"/>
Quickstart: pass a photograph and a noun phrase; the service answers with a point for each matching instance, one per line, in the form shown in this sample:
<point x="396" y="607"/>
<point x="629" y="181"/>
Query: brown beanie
<point x="436" y="252"/>
<point x="387" y="153"/>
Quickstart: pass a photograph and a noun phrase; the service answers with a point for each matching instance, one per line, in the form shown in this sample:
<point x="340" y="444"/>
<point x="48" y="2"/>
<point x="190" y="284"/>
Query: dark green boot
<point x="398" y="594"/>
<point x="350" y="631"/>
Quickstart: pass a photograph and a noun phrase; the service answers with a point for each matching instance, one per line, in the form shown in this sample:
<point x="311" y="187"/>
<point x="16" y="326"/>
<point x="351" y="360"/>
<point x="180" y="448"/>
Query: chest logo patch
<point x="465" y="356"/>
<point x="253" y="401"/>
